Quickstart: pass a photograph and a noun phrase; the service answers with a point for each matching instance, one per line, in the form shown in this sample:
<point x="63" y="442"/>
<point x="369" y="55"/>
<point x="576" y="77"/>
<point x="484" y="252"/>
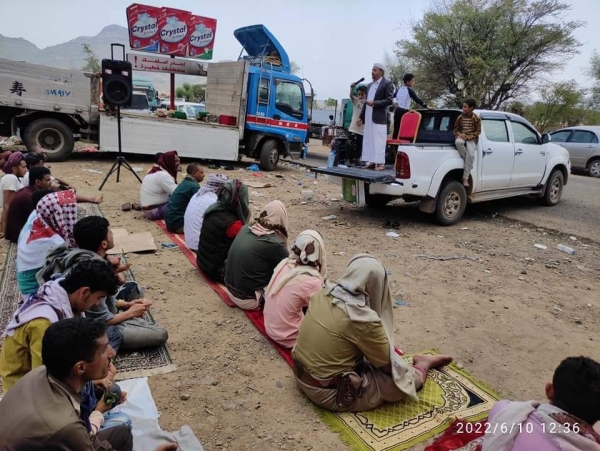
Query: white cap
<point x="379" y="66"/>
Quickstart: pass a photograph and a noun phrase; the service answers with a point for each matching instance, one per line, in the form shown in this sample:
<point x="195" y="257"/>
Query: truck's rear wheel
<point x="554" y="189"/>
<point x="451" y="203"/>
<point x="269" y="155"/>
<point x="51" y="135"/>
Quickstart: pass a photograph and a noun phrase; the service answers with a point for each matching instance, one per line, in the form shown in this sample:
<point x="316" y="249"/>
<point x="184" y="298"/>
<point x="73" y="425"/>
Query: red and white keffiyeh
<point x="56" y="214"/>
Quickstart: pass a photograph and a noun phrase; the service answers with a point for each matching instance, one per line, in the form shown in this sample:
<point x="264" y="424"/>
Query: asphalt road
<point x="578" y="212"/>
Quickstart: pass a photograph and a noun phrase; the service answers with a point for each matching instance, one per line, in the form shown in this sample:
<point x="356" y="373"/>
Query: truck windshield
<point x="139" y="102"/>
<point x="289" y="98"/>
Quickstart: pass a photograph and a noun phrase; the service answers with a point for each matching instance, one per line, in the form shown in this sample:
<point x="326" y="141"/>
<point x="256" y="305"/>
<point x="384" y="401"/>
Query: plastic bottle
<point x="567" y="249"/>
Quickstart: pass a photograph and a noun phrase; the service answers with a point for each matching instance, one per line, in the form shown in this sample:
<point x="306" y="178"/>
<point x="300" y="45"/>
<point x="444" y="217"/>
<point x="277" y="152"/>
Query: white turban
<point x="379" y="66"/>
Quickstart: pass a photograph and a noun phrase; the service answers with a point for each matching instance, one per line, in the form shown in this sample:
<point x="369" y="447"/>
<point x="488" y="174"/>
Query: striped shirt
<point x="469" y="126"/>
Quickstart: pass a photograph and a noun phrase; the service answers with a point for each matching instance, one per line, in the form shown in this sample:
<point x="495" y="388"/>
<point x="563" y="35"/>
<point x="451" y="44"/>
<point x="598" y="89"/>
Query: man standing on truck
<point x="356" y="131"/>
<point x="403" y="99"/>
<point x="380" y="96"/>
<point x="467" y="129"/>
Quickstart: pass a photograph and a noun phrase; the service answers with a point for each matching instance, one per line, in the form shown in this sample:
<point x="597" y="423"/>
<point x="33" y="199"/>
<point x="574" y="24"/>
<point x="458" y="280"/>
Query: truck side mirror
<point x="546" y="138"/>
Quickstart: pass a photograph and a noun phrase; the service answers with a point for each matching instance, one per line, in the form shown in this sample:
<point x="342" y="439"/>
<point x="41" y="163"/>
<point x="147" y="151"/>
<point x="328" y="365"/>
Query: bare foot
<point x="428" y="362"/>
<point x="98" y="199"/>
<point x="379" y="167"/>
<point x="466" y="183"/>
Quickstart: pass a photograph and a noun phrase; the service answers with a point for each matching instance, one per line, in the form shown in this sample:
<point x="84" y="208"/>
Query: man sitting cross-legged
<point x="123" y="313"/>
<point x="42" y="411"/>
<point x="83" y="287"/>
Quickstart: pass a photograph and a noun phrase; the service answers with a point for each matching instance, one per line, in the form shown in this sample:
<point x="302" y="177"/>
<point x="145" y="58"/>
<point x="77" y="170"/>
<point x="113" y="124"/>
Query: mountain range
<point x="69" y="55"/>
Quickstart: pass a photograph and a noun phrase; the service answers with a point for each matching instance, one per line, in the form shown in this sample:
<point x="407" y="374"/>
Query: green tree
<point x="294" y="68"/>
<point x="330" y="102"/>
<point x="395" y="67"/>
<point x="491" y="50"/>
<point x="191" y="93"/>
<point x="560" y="105"/>
<point x="92" y="64"/>
<point x="594" y="72"/>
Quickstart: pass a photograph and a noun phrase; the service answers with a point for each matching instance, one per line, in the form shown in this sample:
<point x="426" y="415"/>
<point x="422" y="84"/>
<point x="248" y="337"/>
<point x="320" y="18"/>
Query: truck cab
<point x="276" y="110"/>
<point x="145" y="85"/>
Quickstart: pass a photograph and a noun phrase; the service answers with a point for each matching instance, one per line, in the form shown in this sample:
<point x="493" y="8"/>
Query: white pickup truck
<point x="512" y="159"/>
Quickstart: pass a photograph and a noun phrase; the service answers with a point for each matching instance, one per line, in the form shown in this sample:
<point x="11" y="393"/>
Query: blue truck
<point x="255" y="108"/>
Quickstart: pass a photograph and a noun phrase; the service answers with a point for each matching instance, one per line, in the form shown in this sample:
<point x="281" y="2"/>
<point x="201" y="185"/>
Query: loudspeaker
<point x="117" y="84"/>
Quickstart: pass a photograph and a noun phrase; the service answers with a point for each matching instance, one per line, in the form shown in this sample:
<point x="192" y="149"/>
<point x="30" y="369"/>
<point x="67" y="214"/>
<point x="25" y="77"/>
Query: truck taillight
<point x="402" y="166"/>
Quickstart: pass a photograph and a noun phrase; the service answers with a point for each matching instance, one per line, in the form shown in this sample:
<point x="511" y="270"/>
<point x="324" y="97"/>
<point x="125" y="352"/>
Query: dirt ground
<point x="509" y="312"/>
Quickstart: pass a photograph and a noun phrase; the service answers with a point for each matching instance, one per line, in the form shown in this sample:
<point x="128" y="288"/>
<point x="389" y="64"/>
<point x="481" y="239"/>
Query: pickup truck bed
<point x="364" y="175"/>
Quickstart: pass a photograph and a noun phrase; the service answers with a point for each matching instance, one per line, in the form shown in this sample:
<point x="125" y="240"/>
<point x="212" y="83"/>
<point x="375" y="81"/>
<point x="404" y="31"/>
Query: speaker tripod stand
<point x="121" y="160"/>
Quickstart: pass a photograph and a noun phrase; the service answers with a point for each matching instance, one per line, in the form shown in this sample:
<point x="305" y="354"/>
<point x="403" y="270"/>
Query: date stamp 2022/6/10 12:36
<point x="516" y="428"/>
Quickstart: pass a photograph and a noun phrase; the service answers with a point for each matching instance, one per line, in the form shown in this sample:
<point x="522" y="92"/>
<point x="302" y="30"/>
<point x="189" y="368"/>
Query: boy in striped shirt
<point x="467" y="129"/>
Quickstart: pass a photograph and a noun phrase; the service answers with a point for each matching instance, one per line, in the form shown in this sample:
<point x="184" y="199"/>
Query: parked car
<point x="583" y="147"/>
<point x="512" y="159"/>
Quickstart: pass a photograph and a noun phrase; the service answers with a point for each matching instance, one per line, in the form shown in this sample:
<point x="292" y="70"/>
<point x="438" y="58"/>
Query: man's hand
<point x="123" y="397"/>
<point x="122" y="268"/>
<point x="145" y="302"/>
<point x="353" y="85"/>
<point x="136" y="311"/>
<point x="370" y="103"/>
<point x="359" y="122"/>
<point x="168" y="447"/>
<point x="104" y="383"/>
<point x="101" y="406"/>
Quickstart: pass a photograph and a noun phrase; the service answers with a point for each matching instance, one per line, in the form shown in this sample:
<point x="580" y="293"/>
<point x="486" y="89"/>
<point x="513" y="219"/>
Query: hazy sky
<point x="335" y="42"/>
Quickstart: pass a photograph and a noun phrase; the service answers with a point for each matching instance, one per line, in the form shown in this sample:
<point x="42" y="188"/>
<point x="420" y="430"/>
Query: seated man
<point x="127" y="329"/>
<point x="565" y="423"/>
<point x="180" y="198"/>
<point x="42" y="412"/>
<point x="344" y="358"/>
<point x="84" y="286"/>
<point x="21" y="204"/>
<point x="37" y="159"/>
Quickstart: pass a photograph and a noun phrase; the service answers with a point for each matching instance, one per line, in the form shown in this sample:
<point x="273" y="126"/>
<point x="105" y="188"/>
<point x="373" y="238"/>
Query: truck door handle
<point x="518" y="151"/>
<point x="276" y="117"/>
<point x="590" y="147"/>
<point x="487" y="151"/>
<point x="543" y="152"/>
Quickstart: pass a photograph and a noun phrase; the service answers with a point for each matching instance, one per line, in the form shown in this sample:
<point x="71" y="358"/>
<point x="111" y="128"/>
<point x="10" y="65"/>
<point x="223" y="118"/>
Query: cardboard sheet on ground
<point x="147" y="434"/>
<point x="126" y="242"/>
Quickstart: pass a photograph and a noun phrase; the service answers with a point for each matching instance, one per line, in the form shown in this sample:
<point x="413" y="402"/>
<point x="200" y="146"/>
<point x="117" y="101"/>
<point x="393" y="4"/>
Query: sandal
<point x="369" y="166"/>
<point x="380" y="167"/>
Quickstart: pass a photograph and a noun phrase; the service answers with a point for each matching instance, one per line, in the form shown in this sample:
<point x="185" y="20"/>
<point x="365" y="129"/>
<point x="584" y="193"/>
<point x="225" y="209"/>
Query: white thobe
<point x="375" y="135"/>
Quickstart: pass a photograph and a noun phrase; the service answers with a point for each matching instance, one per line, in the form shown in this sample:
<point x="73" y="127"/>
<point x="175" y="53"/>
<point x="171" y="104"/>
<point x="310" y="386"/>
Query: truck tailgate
<point x="364" y="175"/>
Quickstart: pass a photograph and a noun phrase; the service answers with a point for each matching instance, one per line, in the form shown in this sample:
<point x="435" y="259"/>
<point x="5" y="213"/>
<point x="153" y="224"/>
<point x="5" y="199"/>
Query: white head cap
<point x="379" y="66"/>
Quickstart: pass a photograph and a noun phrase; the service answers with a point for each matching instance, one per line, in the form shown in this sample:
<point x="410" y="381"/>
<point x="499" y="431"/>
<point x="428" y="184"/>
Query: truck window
<point x="524" y="134"/>
<point x="583" y="137"/>
<point x="263" y="91"/>
<point x="289" y="98"/>
<point x="495" y="131"/>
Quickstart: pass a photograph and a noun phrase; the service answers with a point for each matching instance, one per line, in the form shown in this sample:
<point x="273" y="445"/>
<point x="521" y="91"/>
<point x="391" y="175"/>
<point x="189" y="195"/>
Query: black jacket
<point x="214" y="244"/>
<point x="384" y="97"/>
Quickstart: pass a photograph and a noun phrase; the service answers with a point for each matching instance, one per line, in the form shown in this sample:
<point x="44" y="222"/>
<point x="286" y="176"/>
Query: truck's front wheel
<point x="451" y="203"/>
<point x="554" y="189"/>
<point x="269" y="155"/>
<point x="51" y="135"/>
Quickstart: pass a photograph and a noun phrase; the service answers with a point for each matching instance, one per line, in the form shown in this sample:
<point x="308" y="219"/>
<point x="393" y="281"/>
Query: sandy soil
<point x="509" y="314"/>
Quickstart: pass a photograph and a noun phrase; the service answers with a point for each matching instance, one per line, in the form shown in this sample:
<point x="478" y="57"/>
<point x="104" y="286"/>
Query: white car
<point x="512" y="159"/>
<point x="583" y="147"/>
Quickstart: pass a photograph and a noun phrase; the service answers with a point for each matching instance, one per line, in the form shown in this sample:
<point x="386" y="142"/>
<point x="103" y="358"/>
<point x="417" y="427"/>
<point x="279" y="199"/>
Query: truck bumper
<point x="355" y="191"/>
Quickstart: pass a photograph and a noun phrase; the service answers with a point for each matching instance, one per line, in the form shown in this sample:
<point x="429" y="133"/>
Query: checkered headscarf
<point x="58" y="211"/>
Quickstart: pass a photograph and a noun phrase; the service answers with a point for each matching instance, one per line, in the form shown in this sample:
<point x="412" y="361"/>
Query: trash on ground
<point x="168" y="245"/>
<point x="567" y="249"/>
<point x="257" y="185"/>
<point x="400" y="303"/>
<point x="256" y="193"/>
<point x="308" y="193"/>
<point x="540" y="246"/>
<point x="93" y="171"/>
<point x="258" y="174"/>
<point x="253" y="168"/>
<point x="392" y="234"/>
<point x="573" y="238"/>
<point x="137" y="169"/>
<point x="329" y="218"/>
<point x="465" y="228"/>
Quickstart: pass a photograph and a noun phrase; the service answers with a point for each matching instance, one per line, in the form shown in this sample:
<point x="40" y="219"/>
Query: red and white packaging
<point x="142" y="21"/>
<point x="202" y="37"/>
<point x="174" y="26"/>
